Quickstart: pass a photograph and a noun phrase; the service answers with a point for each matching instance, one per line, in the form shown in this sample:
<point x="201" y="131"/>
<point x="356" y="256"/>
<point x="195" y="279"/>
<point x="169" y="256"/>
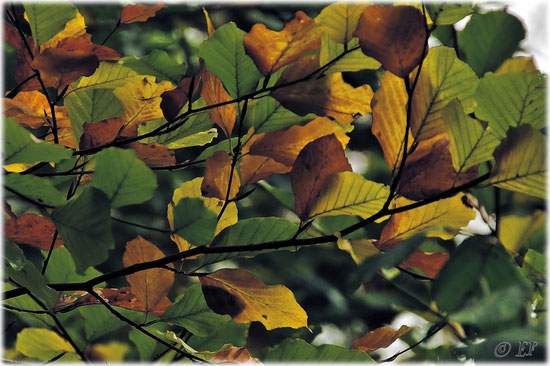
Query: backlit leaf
<point x="225" y="57"/>
<point x="107" y="76"/>
<point x="429" y="263"/>
<point x="235" y="354"/>
<point x="441" y="219"/>
<point x="489" y="39"/>
<point x="514" y="230"/>
<point x="152" y="285"/>
<point x="511" y="100"/>
<point x="451" y="13"/>
<point x="272" y="50"/>
<point x="339" y="20"/>
<point x="28" y="109"/>
<point x="256" y="167"/>
<point x="100" y="133"/>
<point x="349" y="193"/>
<point x="517" y="64"/>
<point x="521" y="162"/>
<point x="113" y="351"/>
<point x="46" y="20"/>
<point x="139" y="12"/>
<point x="218" y="175"/>
<point x="246" y="298"/>
<point x="214" y="93"/>
<point x="31" y="229"/>
<point x="123" y="177"/>
<point x="351" y="61"/>
<point x="154" y="154"/>
<point x="358" y="249"/>
<point x="298" y="350"/>
<point x="84" y="222"/>
<point x="40" y="189"/>
<point x="75" y="27"/>
<point x="41" y="344"/>
<point x="443" y="78"/>
<point x="381" y="337"/>
<point x="157" y="63"/>
<point x="319" y="159"/>
<point x="83" y="44"/>
<point x="394" y="35"/>
<point x="193" y="221"/>
<point x="192" y="313"/>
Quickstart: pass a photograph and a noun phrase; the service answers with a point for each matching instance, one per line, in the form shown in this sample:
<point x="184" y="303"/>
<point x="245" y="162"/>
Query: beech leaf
<point x="256" y="167"/>
<point x="238" y="355"/>
<point x="46" y="20"/>
<point x="42" y="344"/>
<point x="28" y="110"/>
<point x="157" y="63"/>
<point x="32" y="229"/>
<point x="214" y="93"/>
<point x="429" y="263"/>
<point x="379" y="338"/>
<point x="298" y="350"/>
<point x="193" y="221"/>
<point x="139" y="12"/>
<point x="515" y="231"/>
<point x="339" y="20"/>
<point x="217" y="177"/>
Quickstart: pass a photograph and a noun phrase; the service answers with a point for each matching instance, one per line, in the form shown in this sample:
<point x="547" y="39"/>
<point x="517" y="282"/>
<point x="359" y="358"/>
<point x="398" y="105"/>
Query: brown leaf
<point x="32" y="229"/>
<point x="174" y="100"/>
<point x="429" y="170"/>
<point x="139" y="13"/>
<point x="246" y="298"/>
<point x="238" y="355"/>
<point x="255" y="168"/>
<point x="379" y="338"/>
<point x="152" y="285"/>
<point x="284" y="146"/>
<point x="325" y="96"/>
<point x="429" y="263"/>
<point x="84" y="43"/>
<point x="213" y="92"/>
<point x="100" y="133"/>
<point x="318" y="160"/>
<point x="153" y="154"/>
<point x="65" y="66"/>
<point x="216" y="179"/>
<point x="272" y="50"/>
<point x="393" y="35"/>
<point x="28" y="109"/>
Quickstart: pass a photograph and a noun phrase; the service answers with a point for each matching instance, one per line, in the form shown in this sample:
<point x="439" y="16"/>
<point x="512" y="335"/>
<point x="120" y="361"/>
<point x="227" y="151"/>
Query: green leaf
<point x="25" y="302"/>
<point x="349" y="194"/>
<point x="489" y="39"/>
<point x="159" y="64"/>
<point x="298" y="350"/>
<point x="21" y="148"/>
<point x="225" y="57"/>
<point x="469" y="143"/>
<point x="448" y="14"/>
<point x="91" y="105"/>
<point x="220" y="146"/>
<point x="267" y="114"/>
<point x="123" y="177"/>
<point x="42" y="344"/>
<point x="250" y="231"/>
<point x="352" y="61"/>
<point x="193" y="221"/>
<point x="84" y="223"/>
<point x="145" y="345"/>
<point x="61" y="268"/>
<point x="514" y="231"/>
<point x="31" y="278"/>
<point x="510" y="100"/>
<point x="14" y="255"/>
<point x="443" y="78"/>
<point x="521" y="162"/>
<point x="192" y="313"/>
<point x="229" y="333"/>
<point x="100" y="321"/>
<point x="534" y="265"/>
<point x="285" y="197"/>
<point x="339" y="20"/>
<point x="46" y="20"/>
<point x="39" y="189"/>
<point x="108" y="75"/>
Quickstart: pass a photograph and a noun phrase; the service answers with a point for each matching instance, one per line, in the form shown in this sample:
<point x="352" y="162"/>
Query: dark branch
<point x="433" y="331"/>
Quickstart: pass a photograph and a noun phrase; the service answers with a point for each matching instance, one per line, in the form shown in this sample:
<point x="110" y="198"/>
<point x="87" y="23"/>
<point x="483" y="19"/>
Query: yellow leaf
<point x="326" y="96"/>
<point x="340" y="19"/>
<point x="28" y="109"/>
<point x="272" y="50"/>
<point x="246" y="298"/>
<point x="379" y="338"/>
<point x="152" y="285"/>
<point x="514" y="230"/>
<point x="140" y="99"/>
<point x="17" y="168"/>
<point x="113" y="351"/>
<point x="209" y="25"/>
<point x="441" y="219"/>
<point x="42" y="344"/>
<point x="192" y="188"/>
<point x="213" y="92"/>
<point x="517" y="64"/>
<point x="358" y="249"/>
<point x="74" y="28"/>
<point x="217" y="176"/>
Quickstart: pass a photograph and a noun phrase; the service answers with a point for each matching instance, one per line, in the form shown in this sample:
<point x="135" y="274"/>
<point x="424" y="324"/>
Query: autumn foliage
<point x="136" y="189"/>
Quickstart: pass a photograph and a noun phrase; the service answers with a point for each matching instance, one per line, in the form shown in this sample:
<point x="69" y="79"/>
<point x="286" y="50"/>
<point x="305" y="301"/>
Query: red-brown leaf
<point x="216" y="179"/>
<point x="429" y="263"/>
<point x="65" y="66"/>
<point x="32" y="229"/>
<point x="139" y="13"/>
<point x="379" y="338"/>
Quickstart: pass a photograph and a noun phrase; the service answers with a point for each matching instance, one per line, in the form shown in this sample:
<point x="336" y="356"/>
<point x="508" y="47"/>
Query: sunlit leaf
<point x="246" y="298"/>
<point x="114" y="351"/>
<point x="107" y="76"/>
<point x="339" y="20"/>
<point x="152" y="285"/>
<point x="394" y="35"/>
<point x="83" y="44"/>
<point x="28" y="109"/>
<point x="429" y="263"/>
<point x="298" y="350"/>
<point x="123" y="177"/>
<point x="381" y="337"/>
<point x="214" y="93"/>
<point x="75" y="27"/>
<point x="351" y="61"/>
<point x="153" y="154"/>
<point x="193" y="221"/>
<point x="511" y="100"/>
<point x="218" y="175"/>
<point x="139" y="12"/>
<point x="235" y="354"/>
<point x="157" y="63"/>
<point x="61" y="267"/>
<point x="31" y="229"/>
<point x="358" y="249"/>
<point x="514" y="230"/>
<point x="272" y="50"/>
<point x="317" y="160"/>
<point x="41" y="344"/>
<point x="521" y="162"/>
<point x="447" y="13"/>
<point x="40" y="189"/>
<point x="256" y="167"/>
<point x="46" y="20"/>
<point x="517" y="64"/>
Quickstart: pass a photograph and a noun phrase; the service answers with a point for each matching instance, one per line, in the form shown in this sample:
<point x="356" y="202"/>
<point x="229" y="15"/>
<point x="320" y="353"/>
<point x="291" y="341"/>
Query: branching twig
<point x="431" y="333"/>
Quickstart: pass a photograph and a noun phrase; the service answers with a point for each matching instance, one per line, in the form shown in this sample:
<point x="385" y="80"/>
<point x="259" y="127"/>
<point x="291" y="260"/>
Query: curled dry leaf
<point x="246" y="298"/>
<point x="32" y="229"/>
<point x="429" y="263"/>
<point x="393" y="35"/>
<point x="272" y="50"/>
<point x="139" y="13"/>
<point x="238" y="355"/>
<point x="217" y="177"/>
<point x="379" y="338"/>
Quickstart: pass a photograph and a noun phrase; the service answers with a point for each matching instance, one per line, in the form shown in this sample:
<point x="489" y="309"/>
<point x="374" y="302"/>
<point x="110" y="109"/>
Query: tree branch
<point x="430" y="334"/>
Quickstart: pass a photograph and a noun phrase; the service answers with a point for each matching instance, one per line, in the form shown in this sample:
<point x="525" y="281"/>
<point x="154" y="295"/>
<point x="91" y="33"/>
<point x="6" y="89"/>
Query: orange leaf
<point x="213" y="93"/>
<point x="100" y="133"/>
<point x="139" y="13"/>
<point x="153" y="154"/>
<point x="326" y="96"/>
<point x="28" y="109"/>
<point x="272" y="50"/>
<point x="379" y="338"/>
<point x="284" y="146"/>
<point x="429" y="263"/>
<point x="31" y="229"/>
<point x="84" y="43"/>
<point x="255" y="168"/>
<point x="152" y="285"/>
<point x="393" y="35"/>
<point x="209" y="25"/>
<point x="65" y="66"/>
<point x="216" y="179"/>
<point x="238" y="355"/>
<point x="246" y="298"/>
<point x="318" y="160"/>
<point x="389" y="117"/>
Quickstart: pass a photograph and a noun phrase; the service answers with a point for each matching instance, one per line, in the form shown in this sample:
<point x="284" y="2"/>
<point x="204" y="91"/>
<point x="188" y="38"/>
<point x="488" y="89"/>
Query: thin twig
<point x="9" y="307"/>
<point x="118" y="23"/>
<point x="13" y="93"/>
<point x="414" y="275"/>
<point x="56" y="357"/>
<point x="429" y="335"/>
<point x="141" y="226"/>
<point x="28" y="199"/>
<point x="50" y="250"/>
